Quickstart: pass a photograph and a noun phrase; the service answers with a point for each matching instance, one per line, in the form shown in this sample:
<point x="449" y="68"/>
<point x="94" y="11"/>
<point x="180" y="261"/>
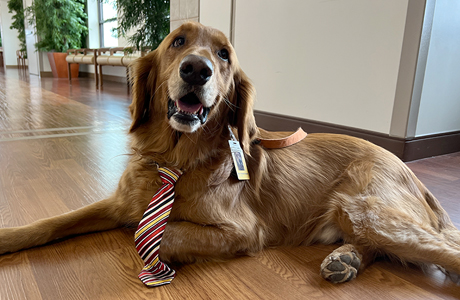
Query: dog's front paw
<point x="341" y="265"/>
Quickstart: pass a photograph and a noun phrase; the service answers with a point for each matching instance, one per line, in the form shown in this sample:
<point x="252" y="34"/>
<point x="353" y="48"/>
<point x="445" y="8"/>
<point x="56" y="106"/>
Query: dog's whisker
<point x="230" y="104"/>
<point x="156" y="90"/>
<point x="123" y="154"/>
<point x="190" y="139"/>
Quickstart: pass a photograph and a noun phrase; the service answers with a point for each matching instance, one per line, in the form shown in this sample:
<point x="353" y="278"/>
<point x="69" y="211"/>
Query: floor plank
<point x="17" y="278"/>
<point x="64" y="146"/>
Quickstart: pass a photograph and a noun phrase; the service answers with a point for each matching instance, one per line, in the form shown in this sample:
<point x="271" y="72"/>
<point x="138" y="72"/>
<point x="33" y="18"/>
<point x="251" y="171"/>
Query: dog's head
<point x="192" y="79"/>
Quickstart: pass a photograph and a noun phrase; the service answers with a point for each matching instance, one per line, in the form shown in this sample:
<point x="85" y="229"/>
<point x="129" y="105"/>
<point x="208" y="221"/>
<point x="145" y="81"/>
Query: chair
<point x="21" y="57"/>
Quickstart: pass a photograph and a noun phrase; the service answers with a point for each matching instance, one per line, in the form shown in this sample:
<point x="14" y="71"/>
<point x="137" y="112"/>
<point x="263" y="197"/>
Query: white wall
<point x="33" y="57"/>
<point x="10" y="41"/>
<point x="439" y="109"/>
<point x="182" y="11"/>
<point x="217" y="13"/>
<point x="329" y="61"/>
<point x="93" y="24"/>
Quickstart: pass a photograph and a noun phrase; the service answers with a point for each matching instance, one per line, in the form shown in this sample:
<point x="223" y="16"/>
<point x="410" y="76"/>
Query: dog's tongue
<point x="189" y="107"/>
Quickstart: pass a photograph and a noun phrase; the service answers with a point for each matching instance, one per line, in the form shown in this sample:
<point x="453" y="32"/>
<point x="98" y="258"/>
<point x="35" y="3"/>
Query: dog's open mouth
<point x="188" y="110"/>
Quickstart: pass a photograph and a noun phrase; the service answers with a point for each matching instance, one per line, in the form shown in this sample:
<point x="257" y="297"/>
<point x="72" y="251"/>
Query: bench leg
<point x="101" y="79"/>
<point x="128" y="81"/>
<point x="69" y="73"/>
<point x="96" y="76"/>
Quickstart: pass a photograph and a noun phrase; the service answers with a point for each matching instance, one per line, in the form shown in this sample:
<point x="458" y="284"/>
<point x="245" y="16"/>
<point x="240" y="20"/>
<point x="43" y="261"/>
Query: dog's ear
<point x="241" y="114"/>
<point x="143" y="80"/>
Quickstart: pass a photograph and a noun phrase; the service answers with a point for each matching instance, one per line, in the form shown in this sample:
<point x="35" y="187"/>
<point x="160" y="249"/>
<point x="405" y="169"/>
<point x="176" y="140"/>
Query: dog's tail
<point x="437" y="243"/>
<point x="404" y="221"/>
<point x="447" y="230"/>
<point x="446" y="227"/>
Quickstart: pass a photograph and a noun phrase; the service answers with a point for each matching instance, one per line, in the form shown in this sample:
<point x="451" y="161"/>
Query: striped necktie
<point x="151" y="228"/>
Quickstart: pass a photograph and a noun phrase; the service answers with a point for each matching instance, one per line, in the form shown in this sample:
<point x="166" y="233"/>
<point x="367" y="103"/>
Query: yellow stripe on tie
<point x="147" y="267"/>
<point x="172" y="174"/>
<point x="158" y="282"/>
<point x="138" y="233"/>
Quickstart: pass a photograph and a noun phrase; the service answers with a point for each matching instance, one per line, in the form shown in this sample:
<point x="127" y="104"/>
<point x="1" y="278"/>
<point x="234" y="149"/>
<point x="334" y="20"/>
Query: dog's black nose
<point x="195" y="70"/>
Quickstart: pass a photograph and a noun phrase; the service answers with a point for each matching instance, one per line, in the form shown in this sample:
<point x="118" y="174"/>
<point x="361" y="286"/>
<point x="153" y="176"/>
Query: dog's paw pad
<point x="340" y="267"/>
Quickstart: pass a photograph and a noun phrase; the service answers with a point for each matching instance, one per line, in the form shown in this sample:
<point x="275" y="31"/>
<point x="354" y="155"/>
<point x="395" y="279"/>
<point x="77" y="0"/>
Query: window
<point x="107" y="23"/>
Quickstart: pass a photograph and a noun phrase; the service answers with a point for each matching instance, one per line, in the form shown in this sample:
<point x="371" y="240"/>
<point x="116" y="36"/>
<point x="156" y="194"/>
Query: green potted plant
<point x="150" y="18"/>
<point x="16" y="8"/>
<point x="60" y="25"/>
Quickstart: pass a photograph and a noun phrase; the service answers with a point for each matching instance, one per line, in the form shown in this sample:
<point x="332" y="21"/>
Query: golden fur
<point x="326" y="188"/>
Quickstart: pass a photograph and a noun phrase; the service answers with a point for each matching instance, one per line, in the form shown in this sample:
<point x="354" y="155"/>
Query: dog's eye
<point x="178" y="42"/>
<point x="223" y="53"/>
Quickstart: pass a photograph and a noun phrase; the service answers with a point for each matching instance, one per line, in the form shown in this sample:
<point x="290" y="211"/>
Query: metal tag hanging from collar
<point x="239" y="162"/>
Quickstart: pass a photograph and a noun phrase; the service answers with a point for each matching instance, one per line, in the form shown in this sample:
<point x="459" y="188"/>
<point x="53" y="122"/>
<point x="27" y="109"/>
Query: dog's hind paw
<point x="342" y="265"/>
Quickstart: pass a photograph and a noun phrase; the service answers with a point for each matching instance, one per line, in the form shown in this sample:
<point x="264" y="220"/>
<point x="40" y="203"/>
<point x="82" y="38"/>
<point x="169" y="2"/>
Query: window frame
<point x="102" y="22"/>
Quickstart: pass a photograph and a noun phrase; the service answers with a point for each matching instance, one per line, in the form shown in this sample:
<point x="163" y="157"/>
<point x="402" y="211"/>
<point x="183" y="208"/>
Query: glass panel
<point x="110" y="38"/>
<point x="109" y="10"/>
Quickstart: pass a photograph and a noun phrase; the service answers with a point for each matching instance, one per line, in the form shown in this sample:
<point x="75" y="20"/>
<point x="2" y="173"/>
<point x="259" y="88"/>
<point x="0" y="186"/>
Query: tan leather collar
<point x="284" y="142"/>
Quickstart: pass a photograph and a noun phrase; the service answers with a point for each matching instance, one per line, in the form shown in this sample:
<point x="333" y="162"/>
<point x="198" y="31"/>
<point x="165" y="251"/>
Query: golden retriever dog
<point x="187" y="96"/>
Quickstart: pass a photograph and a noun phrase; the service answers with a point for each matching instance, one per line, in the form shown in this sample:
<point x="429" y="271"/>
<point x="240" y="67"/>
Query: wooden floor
<point x="63" y="146"/>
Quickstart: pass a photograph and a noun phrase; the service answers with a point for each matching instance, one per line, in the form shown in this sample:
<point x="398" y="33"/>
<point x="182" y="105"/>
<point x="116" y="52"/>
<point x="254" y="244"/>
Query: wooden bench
<point x="117" y="56"/>
<point x="82" y="56"/>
